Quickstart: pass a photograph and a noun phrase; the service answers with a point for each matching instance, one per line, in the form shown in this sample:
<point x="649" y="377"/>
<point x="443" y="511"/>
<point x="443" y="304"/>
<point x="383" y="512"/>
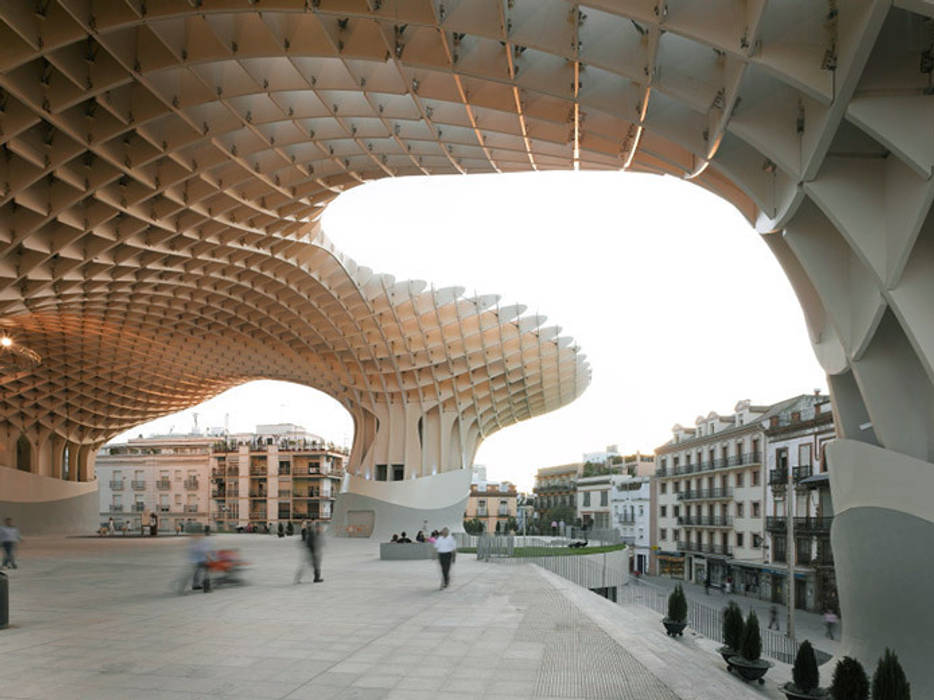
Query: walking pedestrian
<point x="314" y="543"/>
<point x="554" y="528"/>
<point x="9" y="537"/>
<point x="111" y="526"/>
<point x="199" y="553"/>
<point x="773" y="619"/>
<point x="446" y="547"/>
<point x="707" y="586"/>
<point x="830" y="619"/>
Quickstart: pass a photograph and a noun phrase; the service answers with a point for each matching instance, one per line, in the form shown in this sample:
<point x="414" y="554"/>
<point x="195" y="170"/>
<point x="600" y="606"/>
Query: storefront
<point x="717" y="571"/>
<point x="671" y="564"/>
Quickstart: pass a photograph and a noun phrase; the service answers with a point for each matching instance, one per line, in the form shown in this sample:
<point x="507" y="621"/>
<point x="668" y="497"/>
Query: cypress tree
<point x="889" y="682"/>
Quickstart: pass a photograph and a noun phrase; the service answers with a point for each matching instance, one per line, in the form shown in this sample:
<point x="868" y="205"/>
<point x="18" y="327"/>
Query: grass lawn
<point x="554" y="551"/>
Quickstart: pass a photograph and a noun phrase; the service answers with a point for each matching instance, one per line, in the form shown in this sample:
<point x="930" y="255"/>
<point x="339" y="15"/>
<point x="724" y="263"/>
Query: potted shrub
<point x="805" y="676"/>
<point x="677" y="618"/>
<point x="889" y="682"/>
<point x="732" y="632"/>
<point x="748" y="662"/>
<point x="849" y="681"/>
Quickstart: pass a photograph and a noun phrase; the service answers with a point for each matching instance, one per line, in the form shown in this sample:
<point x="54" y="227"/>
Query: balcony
<point x="705" y="494"/>
<point x="815" y="525"/>
<point x="705" y="521"/>
<point x="163" y="484"/>
<point x="116" y="485"/>
<point x="116" y="508"/>
<point x="555" y="488"/>
<point x="778" y="477"/>
<point x="803" y="472"/>
<point x="626" y="519"/>
<point x="164" y="509"/>
<point x="191" y="484"/>
<point x="139" y="507"/>
<point x="718" y="549"/>
<point x="138" y="485"/>
<point x="191" y="508"/>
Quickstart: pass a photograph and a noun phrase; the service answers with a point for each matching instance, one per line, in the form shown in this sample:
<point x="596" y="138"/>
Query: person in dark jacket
<point x="314" y="543"/>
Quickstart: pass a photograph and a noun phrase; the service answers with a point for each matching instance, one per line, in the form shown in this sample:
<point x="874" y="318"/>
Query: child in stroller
<point x="226" y="567"/>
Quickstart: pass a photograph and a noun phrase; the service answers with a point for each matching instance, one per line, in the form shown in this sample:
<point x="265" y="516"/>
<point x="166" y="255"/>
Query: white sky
<point x="677" y="302"/>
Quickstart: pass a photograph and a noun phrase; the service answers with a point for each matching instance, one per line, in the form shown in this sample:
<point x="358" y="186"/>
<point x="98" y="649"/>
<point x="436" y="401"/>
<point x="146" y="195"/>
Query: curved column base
<point x="378" y="509"/>
<point x="43" y="505"/>
<point x="882" y="532"/>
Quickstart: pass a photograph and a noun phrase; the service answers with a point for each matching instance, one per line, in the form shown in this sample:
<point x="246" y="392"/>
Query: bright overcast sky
<point x="677" y="302"/>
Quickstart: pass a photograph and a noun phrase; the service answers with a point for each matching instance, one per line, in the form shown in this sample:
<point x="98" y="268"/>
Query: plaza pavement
<point x="98" y="618"/>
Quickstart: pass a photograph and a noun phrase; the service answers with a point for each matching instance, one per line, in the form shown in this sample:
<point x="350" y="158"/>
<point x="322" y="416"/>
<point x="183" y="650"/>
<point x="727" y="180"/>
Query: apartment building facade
<point x="799" y="487"/>
<point x="280" y="473"/>
<point x="556" y="488"/>
<point x="711" y="498"/>
<point x="277" y="474"/>
<point x="164" y="476"/>
<point x="631" y="513"/>
<point x="493" y="504"/>
<point x="593" y="501"/>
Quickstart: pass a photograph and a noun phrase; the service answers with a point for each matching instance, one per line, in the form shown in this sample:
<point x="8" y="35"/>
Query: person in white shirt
<point x="9" y="536"/>
<point x="446" y="547"/>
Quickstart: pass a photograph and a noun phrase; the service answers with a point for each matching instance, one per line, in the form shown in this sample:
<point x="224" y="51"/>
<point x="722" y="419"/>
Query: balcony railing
<point x="705" y="494"/>
<point x="705" y="521"/>
<point x="164" y="509"/>
<point x="163" y="484"/>
<point x="116" y="485"/>
<point x="139" y="507"/>
<point x="116" y="508"/>
<point x="778" y="477"/>
<point x="741" y="460"/>
<point x="626" y="520"/>
<point x="191" y="484"/>
<point x="555" y="488"/>
<point x="139" y="485"/>
<point x="191" y="508"/>
<point x="813" y="525"/>
<point x="803" y="472"/>
<point x="688" y="546"/>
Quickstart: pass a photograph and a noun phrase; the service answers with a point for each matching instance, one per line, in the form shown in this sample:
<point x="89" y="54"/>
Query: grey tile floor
<point x="98" y="618"/>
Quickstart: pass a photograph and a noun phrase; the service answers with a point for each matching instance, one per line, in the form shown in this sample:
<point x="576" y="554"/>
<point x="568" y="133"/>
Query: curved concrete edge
<point x="884" y="571"/>
<point x="70" y="516"/>
<point x="436" y="491"/>
<point x="24" y="487"/>
<point x="432" y="503"/>
<point x="42" y="505"/>
<point x="864" y="475"/>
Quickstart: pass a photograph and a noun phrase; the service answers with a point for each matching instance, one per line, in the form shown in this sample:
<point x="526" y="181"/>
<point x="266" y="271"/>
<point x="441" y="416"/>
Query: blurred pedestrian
<point x="773" y="618"/>
<point x="199" y="554"/>
<point x="111" y="526"/>
<point x="830" y="620"/>
<point x="9" y="537"/>
<point x="314" y="543"/>
<point x="446" y="546"/>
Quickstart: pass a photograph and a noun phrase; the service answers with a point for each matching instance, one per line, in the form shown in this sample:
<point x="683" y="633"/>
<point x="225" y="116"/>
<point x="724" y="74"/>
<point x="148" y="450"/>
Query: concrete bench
<point x="393" y="551"/>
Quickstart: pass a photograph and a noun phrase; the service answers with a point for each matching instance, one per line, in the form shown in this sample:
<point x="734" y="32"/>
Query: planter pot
<point x="728" y="653"/>
<point x="792" y="693"/>
<point x="674" y="629"/>
<point x="750" y="670"/>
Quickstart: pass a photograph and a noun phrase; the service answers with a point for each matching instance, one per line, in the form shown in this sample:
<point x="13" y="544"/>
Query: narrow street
<point x="808" y="625"/>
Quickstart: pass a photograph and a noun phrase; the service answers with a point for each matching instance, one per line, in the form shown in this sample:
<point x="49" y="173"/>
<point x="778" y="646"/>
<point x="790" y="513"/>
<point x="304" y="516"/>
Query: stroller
<point x="226" y="567"/>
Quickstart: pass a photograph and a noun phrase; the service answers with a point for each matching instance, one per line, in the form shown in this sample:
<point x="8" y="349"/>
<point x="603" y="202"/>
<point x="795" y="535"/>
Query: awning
<point x="816" y="479"/>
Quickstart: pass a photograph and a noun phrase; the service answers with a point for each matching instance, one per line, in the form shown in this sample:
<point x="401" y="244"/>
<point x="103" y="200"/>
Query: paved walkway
<point x="97" y="618"/>
<point x="807" y="625"/>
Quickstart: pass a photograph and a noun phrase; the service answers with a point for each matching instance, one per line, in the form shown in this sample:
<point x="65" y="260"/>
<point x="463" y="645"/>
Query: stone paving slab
<point x="99" y="619"/>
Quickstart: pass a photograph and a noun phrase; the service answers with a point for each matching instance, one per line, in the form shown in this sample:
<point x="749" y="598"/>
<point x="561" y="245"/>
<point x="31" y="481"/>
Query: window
<point x="663" y="511"/>
<point x="804" y="455"/>
<point x="641" y="510"/>
<point x="381" y="472"/>
<point x="178" y="474"/>
<point x="664" y="487"/>
<point x="739" y="479"/>
<point x="178" y="499"/>
<point x="755" y="477"/>
<point x="586" y="499"/>
<point x="756" y="541"/>
<point x="676" y="511"/>
<point x="739" y="510"/>
<point x="755" y="509"/>
<point x="676" y="487"/>
<point x="663" y="534"/>
<point x="674" y="534"/>
<point x="398" y="472"/>
<point x="781" y="459"/>
<point x="739" y="539"/>
<point x="604" y="496"/>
